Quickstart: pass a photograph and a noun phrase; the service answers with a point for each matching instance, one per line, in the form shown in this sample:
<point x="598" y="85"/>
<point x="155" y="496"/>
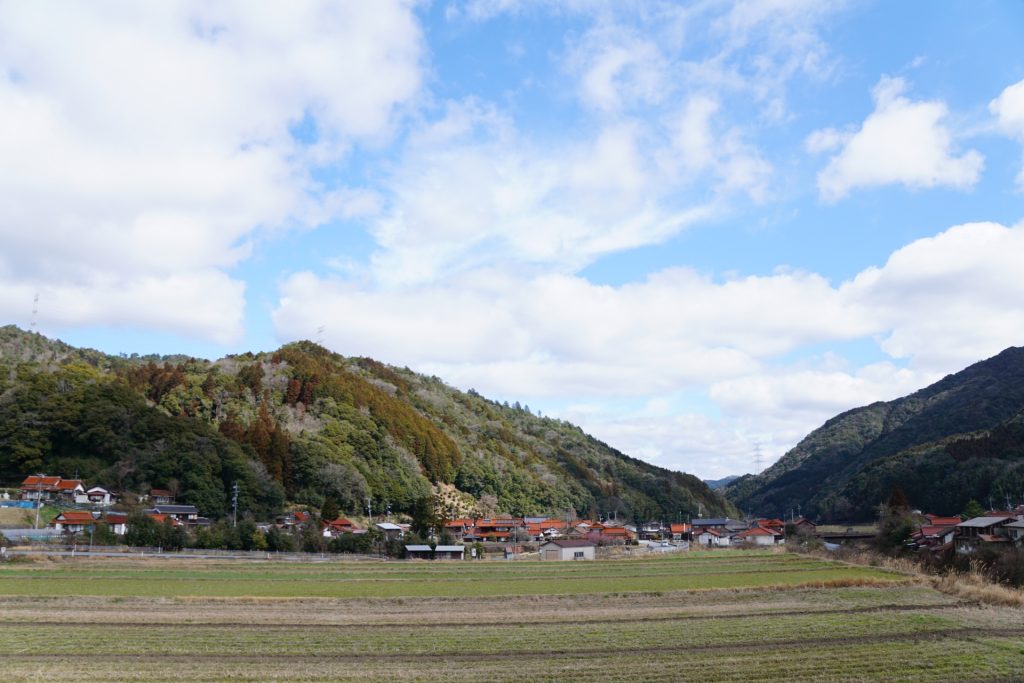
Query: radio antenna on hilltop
<point x="758" y="458"/>
<point x="35" y="313"/>
<point x="320" y="335"/>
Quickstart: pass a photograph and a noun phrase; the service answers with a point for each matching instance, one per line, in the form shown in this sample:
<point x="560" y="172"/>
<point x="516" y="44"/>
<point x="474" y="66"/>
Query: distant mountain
<point x="302" y="424"/>
<point x="958" y="439"/>
<point x="715" y="484"/>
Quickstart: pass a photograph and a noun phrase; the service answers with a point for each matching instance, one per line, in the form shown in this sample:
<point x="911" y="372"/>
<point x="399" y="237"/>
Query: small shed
<point x="567" y="549"/>
<point x="440" y="552"/>
<point x="449" y="552"/>
<point x="419" y="552"/>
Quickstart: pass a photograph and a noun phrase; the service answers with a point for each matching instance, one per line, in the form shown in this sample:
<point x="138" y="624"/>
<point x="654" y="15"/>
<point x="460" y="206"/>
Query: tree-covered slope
<point x="301" y="425"/>
<point x="925" y="443"/>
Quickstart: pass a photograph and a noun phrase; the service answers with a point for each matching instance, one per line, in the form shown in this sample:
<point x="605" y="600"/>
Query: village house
<point x="712" y="538"/>
<point x="187" y="515"/>
<point x="610" y="535"/>
<point x="392" y="530"/>
<point x="759" y="535"/>
<point x="97" y="495"/>
<point x="117" y="522"/>
<point x="337" y="527"/>
<point x="498" y="530"/>
<point x="44" y="488"/>
<point x="567" y="549"/>
<point x="73" y="521"/>
<point x="979" y="531"/>
<point x="1015" y="531"/>
<point x="804" y="524"/>
<point x="161" y="497"/>
<point x="719" y="523"/>
<point x="458" y="528"/>
<point x="679" y="532"/>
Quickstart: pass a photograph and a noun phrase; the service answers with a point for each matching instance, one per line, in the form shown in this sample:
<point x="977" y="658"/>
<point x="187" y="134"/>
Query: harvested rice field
<point x="703" y="616"/>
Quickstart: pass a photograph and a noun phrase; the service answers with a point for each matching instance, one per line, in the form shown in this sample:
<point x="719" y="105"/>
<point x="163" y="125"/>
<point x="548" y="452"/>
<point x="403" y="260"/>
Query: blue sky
<point x="692" y="228"/>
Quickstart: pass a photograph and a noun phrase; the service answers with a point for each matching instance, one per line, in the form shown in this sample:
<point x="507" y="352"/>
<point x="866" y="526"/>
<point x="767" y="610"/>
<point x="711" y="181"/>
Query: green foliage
<point x="958" y="439"/>
<point x="329" y="512"/>
<point x="973" y="509"/>
<point x="307" y="425"/>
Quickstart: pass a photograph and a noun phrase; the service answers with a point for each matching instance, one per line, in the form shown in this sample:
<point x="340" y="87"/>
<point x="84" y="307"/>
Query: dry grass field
<point x="705" y="616"/>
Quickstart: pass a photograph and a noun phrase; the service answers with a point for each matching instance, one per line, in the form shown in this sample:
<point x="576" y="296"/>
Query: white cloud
<point x="938" y="304"/>
<point x="151" y="143"/>
<point x="901" y="142"/>
<point x="951" y="299"/>
<point x="1008" y="109"/>
<point x="617" y="67"/>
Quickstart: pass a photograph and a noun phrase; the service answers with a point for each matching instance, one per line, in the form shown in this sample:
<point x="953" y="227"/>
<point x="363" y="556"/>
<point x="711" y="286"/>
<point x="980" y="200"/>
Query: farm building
<point x="441" y="552"/>
<point x="567" y="550"/>
<point x="713" y="538"/>
<point x="759" y="535"/>
<point x="73" y="521"/>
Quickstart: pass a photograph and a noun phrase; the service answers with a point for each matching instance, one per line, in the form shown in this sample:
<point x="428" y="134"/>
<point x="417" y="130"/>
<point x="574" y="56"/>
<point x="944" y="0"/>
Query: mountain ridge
<point x="302" y="424"/>
<point x="849" y="464"/>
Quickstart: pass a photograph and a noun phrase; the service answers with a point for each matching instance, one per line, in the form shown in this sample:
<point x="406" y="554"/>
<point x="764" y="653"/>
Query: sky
<point x="698" y="230"/>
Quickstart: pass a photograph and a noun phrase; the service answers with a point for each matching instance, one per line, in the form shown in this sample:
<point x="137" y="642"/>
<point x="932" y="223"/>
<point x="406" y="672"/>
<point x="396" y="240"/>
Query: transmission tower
<point x="35" y="313"/>
<point x="758" y="458"/>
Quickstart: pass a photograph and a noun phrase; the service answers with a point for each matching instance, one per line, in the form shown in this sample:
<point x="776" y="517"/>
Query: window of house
<point x="578" y="555"/>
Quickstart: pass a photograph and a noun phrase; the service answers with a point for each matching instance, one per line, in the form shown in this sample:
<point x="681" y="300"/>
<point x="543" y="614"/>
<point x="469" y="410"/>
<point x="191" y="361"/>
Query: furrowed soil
<point x="703" y="616"/>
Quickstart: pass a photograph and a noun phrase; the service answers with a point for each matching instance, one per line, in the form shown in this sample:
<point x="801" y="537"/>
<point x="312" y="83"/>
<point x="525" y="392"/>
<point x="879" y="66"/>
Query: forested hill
<point x="959" y="439"/>
<point x="301" y="425"/>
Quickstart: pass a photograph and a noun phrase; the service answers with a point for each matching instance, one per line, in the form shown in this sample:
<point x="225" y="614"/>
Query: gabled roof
<point x="709" y="531"/>
<point x="936" y="530"/>
<point x="69" y="484"/>
<point x="176" y="509"/>
<point x="449" y="548"/>
<point x="418" y="548"/>
<point x="679" y="528"/>
<point x="717" y="521"/>
<point x="162" y="493"/>
<point x="758" y="531"/>
<point x="937" y="520"/>
<point x="388" y="526"/>
<point x="75" y="517"/>
<point x="1019" y="524"/>
<point x="33" y="480"/>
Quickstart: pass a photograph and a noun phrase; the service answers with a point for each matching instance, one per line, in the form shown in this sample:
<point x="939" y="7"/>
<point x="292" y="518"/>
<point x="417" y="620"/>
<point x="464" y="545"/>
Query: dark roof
<point x="176" y="509"/>
<point x="569" y="543"/>
<point x="717" y="521"/>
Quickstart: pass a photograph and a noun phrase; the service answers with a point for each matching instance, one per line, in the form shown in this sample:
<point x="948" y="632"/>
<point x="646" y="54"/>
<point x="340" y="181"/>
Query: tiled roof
<point x="75" y="517"/>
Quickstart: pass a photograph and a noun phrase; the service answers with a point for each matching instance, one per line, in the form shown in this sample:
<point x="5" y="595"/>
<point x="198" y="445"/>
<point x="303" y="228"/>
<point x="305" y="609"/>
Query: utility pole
<point x="39" y="498"/>
<point x="35" y="314"/>
<point x="234" y="505"/>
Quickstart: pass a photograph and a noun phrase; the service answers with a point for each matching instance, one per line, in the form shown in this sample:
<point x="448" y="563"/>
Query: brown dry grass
<point x="971" y="585"/>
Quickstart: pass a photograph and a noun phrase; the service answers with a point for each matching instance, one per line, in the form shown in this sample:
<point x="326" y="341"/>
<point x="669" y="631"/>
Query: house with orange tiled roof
<point x="73" y="521"/>
<point x="610" y="535"/>
<point x="679" y="531"/>
<point x="938" y="520"/>
<point x="498" y="530"/>
<point x="759" y="535"/>
<point x="337" y="527"/>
